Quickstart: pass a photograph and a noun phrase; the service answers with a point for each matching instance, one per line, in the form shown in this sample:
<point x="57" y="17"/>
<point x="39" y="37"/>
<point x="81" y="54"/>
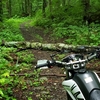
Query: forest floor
<point x="52" y="88"/>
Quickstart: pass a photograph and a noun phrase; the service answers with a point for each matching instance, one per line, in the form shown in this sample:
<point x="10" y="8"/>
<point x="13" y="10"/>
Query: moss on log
<point x="48" y="46"/>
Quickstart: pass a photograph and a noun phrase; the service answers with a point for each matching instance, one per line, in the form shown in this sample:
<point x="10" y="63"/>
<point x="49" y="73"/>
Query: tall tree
<point x="68" y="2"/>
<point x="63" y="2"/>
<point x="86" y="4"/>
<point x="26" y="7"/>
<point x="1" y="11"/>
<point x="9" y="8"/>
<point x="29" y="9"/>
<point x="44" y="7"/>
<point x="50" y="6"/>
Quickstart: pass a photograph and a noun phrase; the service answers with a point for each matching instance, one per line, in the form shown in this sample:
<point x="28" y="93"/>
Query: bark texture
<point x="49" y="46"/>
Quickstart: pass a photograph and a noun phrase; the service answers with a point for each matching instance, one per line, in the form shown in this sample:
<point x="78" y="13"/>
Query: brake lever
<point x="98" y="53"/>
<point x="52" y="57"/>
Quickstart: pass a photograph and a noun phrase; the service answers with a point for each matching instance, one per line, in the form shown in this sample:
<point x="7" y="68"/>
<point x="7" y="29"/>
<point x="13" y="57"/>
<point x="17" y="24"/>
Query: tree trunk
<point x="58" y="3"/>
<point x="23" y="11"/>
<point x="68" y="2"/>
<point x="1" y="11"/>
<point x="9" y="8"/>
<point x="30" y="8"/>
<point x="86" y="4"/>
<point x="43" y="8"/>
<point x="50" y="6"/>
<point x="63" y="2"/>
<point x="49" y="46"/>
<point x="26" y="6"/>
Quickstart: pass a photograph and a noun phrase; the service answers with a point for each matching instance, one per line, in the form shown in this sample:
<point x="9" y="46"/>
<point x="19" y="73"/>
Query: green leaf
<point x="6" y="74"/>
<point x="2" y="80"/>
<point x="1" y="93"/>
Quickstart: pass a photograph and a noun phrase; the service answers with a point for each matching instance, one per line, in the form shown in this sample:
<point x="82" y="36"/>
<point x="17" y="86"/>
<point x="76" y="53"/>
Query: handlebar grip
<point x="41" y="65"/>
<point x="48" y="64"/>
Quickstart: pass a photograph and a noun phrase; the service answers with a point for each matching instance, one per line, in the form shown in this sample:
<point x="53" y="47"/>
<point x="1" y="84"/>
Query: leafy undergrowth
<point x="19" y="80"/>
<point x="11" y="64"/>
<point x="79" y="35"/>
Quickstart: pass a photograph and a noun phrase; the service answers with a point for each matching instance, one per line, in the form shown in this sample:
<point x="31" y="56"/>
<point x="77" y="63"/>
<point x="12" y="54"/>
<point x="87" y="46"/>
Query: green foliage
<point x="10" y="29"/>
<point x="12" y="63"/>
<point x="8" y="35"/>
<point x="5" y="78"/>
<point x="24" y="57"/>
<point x="68" y="14"/>
<point x="72" y="10"/>
<point x="95" y="5"/>
<point x="37" y="82"/>
<point x="37" y="17"/>
<point x="71" y="13"/>
<point x="15" y="23"/>
<point x="44" y="22"/>
<point x="79" y="35"/>
<point x="7" y="82"/>
<point x="66" y="23"/>
<point x="39" y="20"/>
<point x="38" y="37"/>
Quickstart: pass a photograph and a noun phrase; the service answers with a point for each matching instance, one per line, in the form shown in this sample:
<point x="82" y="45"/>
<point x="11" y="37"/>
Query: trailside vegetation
<point x="67" y="19"/>
<point x="75" y="21"/>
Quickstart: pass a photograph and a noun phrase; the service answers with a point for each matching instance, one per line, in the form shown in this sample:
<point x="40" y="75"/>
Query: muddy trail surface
<point x="52" y="88"/>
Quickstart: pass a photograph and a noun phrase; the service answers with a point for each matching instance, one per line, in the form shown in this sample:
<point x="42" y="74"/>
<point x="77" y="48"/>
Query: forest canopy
<point x="67" y="11"/>
<point x="70" y="19"/>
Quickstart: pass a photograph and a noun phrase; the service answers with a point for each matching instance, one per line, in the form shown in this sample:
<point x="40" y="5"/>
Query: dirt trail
<point x="52" y="88"/>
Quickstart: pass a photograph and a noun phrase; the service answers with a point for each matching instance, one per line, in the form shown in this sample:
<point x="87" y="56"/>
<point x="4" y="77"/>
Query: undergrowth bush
<point x="10" y="30"/>
<point x="15" y="63"/>
<point x="39" y="20"/>
<point x="5" y="78"/>
<point x="8" y="35"/>
<point x="79" y="35"/>
<point x="11" y="62"/>
<point x="15" y="22"/>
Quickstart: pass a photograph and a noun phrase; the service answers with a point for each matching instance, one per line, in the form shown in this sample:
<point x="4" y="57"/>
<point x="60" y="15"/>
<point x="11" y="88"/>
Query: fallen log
<point x="48" y="46"/>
